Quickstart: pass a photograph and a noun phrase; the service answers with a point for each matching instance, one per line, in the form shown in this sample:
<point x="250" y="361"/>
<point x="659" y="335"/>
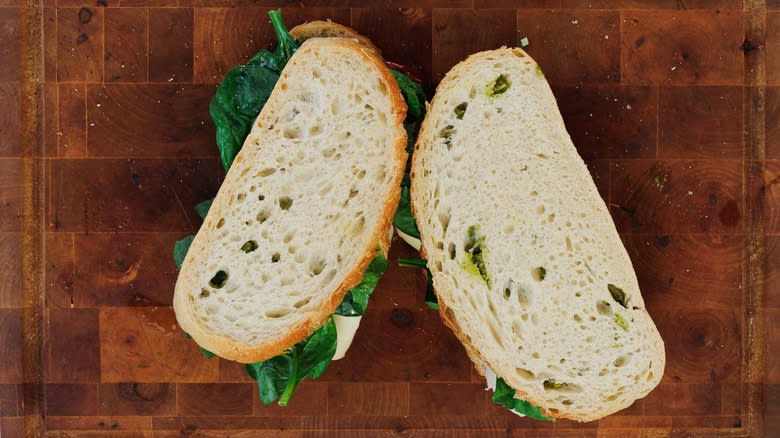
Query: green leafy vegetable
<point x="180" y="249"/>
<point x="413" y="95"/>
<point x="277" y="377"/>
<point x="430" y="296"/>
<point x="245" y="90"/>
<point x="203" y="208"/>
<point x="618" y="295"/>
<point x="356" y="300"/>
<point x="205" y="352"/>
<point x="415" y="101"/>
<point x="504" y="395"/>
<point x="498" y="86"/>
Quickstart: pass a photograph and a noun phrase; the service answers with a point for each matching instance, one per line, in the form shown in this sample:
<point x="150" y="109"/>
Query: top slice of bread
<point x="329" y="29"/>
<point x="522" y="248"/>
<point x="303" y="209"/>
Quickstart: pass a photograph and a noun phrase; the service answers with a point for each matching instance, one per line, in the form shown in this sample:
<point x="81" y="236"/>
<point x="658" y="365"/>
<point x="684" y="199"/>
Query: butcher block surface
<point x="106" y="145"/>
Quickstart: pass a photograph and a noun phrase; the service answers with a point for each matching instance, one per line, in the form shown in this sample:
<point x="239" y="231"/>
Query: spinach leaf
<point x="205" y="352"/>
<point x="430" y="296"/>
<point x="415" y="101"/>
<point x="413" y="94"/>
<point x="356" y="300"/>
<point x="277" y="377"/>
<point x="504" y="395"/>
<point x="245" y="90"/>
<point x="180" y="249"/>
<point x="203" y="208"/>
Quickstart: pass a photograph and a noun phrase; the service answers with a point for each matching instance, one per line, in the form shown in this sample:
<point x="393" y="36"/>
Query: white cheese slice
<point x="412" y="241"/>
<point x="346" y="327"/>
<point x="490" y="376"/>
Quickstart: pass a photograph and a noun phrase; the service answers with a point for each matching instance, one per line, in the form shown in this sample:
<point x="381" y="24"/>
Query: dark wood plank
<point x="682" y="47"/>
<point x="74" y="345"/>
<point x="439" y="399"/>
<point x="146" y="346"/>
<point x="453" y="38"/>
<point x="9" y="56"/>
<point x="9" y="120"/>
<point x="128" y="195"/>
<point x="680" y="196"/>
<point x="772" y="122"/>
<point x="385" y="398"/>
<point x="10" y="270"/>
<point x="573" y="47"/>
<point x="170" y="44"/>
<point x="771" y="192"/>
<point x="80" y="44"/>
<point x="137" y="399"/>
<point x="11" y="346"/>
<point x="175" y="116"/>
<point x="126" y="37"/>
<point x="72" y="123"/>
<point x="127" y="269"/>
<point x="310" y="398"/>
<point x="215" y="399"/>
<point x="700" y="122"/>
<point x="610" y="121"/>
<point x="71" y="399"/>
<point x="773" y="48"/>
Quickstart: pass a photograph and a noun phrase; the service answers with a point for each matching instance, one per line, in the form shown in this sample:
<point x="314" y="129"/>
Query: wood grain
<point x="9" y="57"/>
<point x="137" y="399"/>
<point x="74" y="346"/>
<point x="573" y="47"/>
<point x="11" y="270"/>
<point x="682" y="47"/>
<point x="126" y="37"/>
<point x="9" y="120"/>
<point x="610" y="121"/>
<point x="80" y="44"/>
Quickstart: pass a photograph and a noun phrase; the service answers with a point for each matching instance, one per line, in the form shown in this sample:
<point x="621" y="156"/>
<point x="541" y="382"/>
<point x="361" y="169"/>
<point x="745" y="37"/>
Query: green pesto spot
<point x="446" y="133"/>
<point x="498" y="86"/>
<point x="621" y="322"/>
<point x="475" y="254"/>
<point x="539" y="72"/>
<point x="552" y="384"/>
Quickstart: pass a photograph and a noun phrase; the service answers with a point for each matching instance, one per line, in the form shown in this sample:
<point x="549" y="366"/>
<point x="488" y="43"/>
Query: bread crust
<point x="246" y="353"/>
<point x="329" y="29"/>
<point x="447" y="315"/>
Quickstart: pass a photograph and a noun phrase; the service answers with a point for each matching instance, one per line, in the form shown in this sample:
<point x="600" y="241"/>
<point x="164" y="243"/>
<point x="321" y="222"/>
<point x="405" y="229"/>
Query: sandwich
<point x="528" y="269"/>
<point x="312" y="139"/>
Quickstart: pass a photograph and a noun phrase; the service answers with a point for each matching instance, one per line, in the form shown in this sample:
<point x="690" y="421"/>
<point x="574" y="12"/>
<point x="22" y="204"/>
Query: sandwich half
<point x="305" y="208"/>
<point x="529" y="270"/>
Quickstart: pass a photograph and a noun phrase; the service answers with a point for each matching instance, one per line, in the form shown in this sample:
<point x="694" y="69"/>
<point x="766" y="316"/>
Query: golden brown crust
<point x="240" y="352"/>
<point x="329" y="29"/>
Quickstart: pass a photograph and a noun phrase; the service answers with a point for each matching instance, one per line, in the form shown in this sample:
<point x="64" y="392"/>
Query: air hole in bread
<point x="451" y="250"/>
<point x="316" y="267"/>
<point x="266" y="172"/>
<point x="524" y="296"/>
<point x="241" y="197"/>
<point x="620" y="361"/>
<point x="314" y="130"/>
<point x="220" y="223"/>
<point x="353" y="192"/>
<point x="204" y="293"/>
<point x="538" y="274"/>
<point x="524" y="374"/>
<point x="292" y="132"/>
<point x="275" y="258"/>
<point x="542" y="156"/>
<point x="300" y="303"/>
<point x="249" y="246"/>
<point x="603" y="307"/>
<point x="285" y="202"/>
<point x="568" y="245"/>
<point x="551" y="218"/>
<point x="437" y="266"/>
<point x="286" y="281"/>
<point x="260" y="197"/>
<point x="440" y="245"/>
<point x="535" y="355"/>
<point x="219" y="279"/>
<point x="262" y="216"/>
<point x="577" y="318"/>
<point x="540" y="210"/>
<point x="316" y="73"/>
<point x="444" y="220"/>
<point x="327" y="153"/>
<point x="534" y="194"/>
<point x="361" y="174"/>
<point x="567" y="402"/>
<point x="276" y="314"/>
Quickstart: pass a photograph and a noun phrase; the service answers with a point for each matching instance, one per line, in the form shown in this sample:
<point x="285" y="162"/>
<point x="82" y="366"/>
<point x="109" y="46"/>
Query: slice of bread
<point x="303" y="209"/>
<point x="329" y="29"/>
<point x="528" y="267"/>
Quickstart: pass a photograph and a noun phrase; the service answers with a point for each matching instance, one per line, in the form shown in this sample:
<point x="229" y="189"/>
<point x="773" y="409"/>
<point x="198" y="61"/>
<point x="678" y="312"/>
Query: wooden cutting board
<point x="106" y="145"/>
